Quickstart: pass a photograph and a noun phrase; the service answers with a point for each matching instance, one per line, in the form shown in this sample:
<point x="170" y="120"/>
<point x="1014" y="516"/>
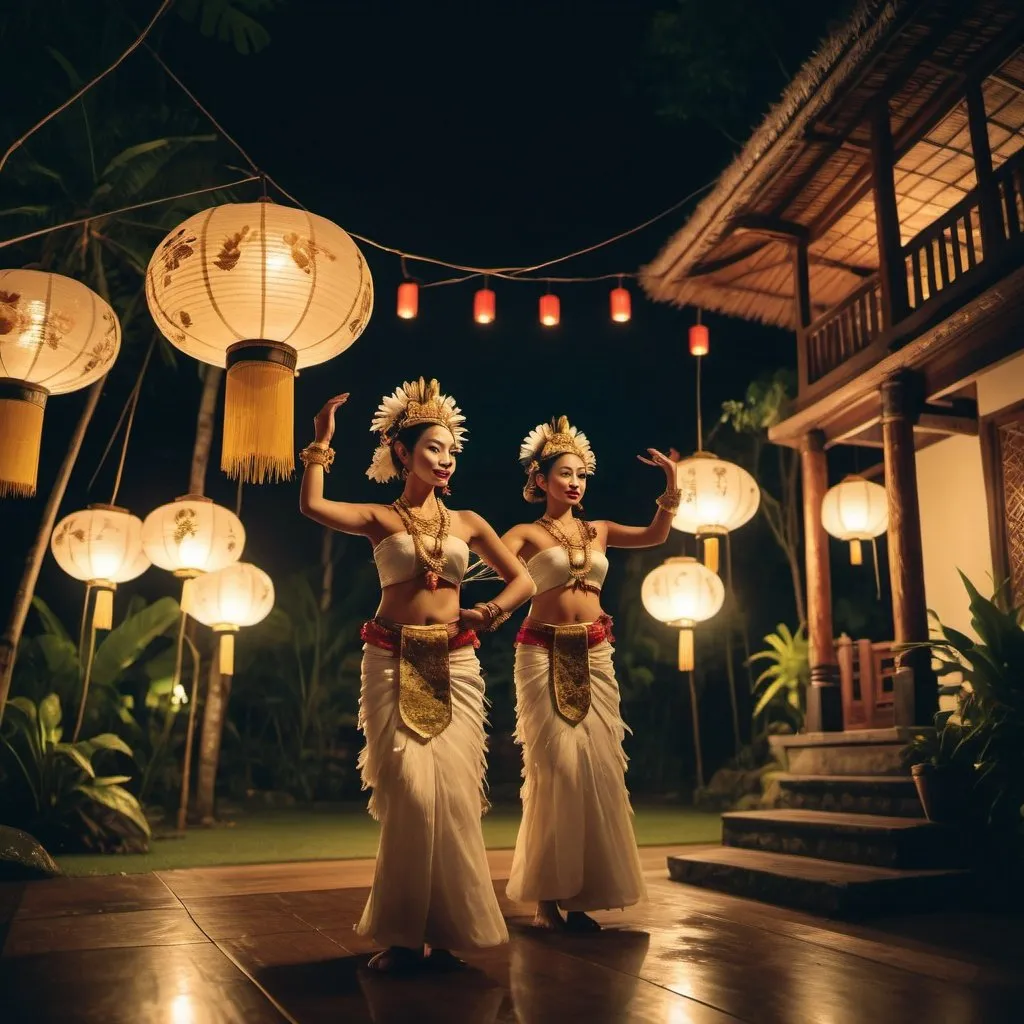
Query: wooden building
<point x="878" y="213"/>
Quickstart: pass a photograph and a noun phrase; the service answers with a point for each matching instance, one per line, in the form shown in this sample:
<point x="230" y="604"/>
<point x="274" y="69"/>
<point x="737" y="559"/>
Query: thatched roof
<point x="807" y="167"/>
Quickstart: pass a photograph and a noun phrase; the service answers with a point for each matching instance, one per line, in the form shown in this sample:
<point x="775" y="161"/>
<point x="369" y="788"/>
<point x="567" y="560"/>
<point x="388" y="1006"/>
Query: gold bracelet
<point x="670" y="500"/>
<point x="317" y="454"/>
<point x="500" y="620"/>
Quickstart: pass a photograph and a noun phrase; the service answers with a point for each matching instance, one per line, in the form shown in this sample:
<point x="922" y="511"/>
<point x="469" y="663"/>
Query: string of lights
<point x="407" y="304"/>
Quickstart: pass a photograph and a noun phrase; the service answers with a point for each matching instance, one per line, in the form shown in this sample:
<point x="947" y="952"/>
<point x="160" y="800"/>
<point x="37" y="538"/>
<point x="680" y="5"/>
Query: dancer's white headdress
<point x="413" y="403"/>
<point x="546" y="440"/>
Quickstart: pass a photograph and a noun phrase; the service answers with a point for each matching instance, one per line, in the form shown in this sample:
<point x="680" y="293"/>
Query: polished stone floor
<point x="275" y="943"/>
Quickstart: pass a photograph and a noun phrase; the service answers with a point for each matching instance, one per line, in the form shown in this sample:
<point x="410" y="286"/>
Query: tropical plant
<point x="52" y="790"/>
<point x="991" y="711"/>
<point x="781" y="689"/>
<point x="946" y="744"/>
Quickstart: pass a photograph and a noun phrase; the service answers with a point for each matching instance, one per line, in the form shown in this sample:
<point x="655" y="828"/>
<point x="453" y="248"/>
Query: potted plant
<point x="941" y="769"/>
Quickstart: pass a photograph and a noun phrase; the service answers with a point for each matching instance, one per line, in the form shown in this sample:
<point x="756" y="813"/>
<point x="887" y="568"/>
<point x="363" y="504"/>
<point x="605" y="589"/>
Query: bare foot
<point x="443" y="960"/>
<point x="548" y="917"/>
<point x="577" y="921"/>
<point x="395" y="960"/>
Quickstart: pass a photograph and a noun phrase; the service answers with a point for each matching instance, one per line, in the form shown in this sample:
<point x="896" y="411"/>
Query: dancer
<point x="421" y="705"/>
<point x="576" y="850"/>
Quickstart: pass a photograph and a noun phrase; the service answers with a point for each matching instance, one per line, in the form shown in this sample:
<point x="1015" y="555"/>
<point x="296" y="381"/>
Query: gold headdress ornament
<point x="413" y="403"/>
<point x="546" y="440"/>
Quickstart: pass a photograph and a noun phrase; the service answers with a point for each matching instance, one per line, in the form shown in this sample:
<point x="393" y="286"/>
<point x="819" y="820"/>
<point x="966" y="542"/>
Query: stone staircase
<point x="848" y="838"/>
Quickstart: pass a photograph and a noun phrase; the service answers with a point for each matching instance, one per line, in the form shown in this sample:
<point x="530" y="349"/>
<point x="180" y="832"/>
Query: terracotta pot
<point x="942" y="791"/>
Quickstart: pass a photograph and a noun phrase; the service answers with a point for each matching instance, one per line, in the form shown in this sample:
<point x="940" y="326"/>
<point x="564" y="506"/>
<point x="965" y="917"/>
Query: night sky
<point x="499" y="134"/>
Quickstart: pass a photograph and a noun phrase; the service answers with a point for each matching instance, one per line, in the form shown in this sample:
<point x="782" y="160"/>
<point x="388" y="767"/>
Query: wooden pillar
<point x="916" y="702"/>
<point x="891" y="264"/>
<point x="802" y="293"/>
<point x="824" y="698"/>
<point x="988" y="197"/>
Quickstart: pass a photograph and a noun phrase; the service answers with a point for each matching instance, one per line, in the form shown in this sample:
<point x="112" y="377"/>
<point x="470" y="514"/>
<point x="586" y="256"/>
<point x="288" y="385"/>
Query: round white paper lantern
<point x="682" y="592"/>
<point x="102" y="547"/>
<point x="56" y="336"/>
<point x="264" y="290"/>
<point x="855" y="510"/>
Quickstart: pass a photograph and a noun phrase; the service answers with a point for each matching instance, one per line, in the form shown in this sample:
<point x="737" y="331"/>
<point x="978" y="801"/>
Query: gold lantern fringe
<point x="103" y="609"/>
<point x="686" y="661"/>
<point x="856" y="555"/>
<point x="259" y="413"/>
<point x="21" y="432"/>
<point x="711" y="549"/>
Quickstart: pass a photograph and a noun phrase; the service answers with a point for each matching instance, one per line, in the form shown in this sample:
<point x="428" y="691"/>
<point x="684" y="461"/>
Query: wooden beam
<point x="824" y="699"/>
<point x="1008" y="80"/>
<point x="804" y="314"/>
<point x="771" y="226"/>
<point x="906" y="561"/>
<point x="892" y="270"/>
<point x="713" y="266"/>
<point x="988" y="197"/>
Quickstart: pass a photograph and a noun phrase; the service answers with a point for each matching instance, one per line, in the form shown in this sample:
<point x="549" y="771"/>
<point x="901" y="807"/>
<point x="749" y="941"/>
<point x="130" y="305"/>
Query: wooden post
<point x="913" y="704"/>
<point x="824" y="699"/>
<point x="891" y="265"/>
<point x="988" y="197"/>
<point x="802" y="292"/>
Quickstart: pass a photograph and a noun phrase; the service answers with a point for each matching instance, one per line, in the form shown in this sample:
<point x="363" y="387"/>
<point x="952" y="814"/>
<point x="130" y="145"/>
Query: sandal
<point x="395" y="960"/>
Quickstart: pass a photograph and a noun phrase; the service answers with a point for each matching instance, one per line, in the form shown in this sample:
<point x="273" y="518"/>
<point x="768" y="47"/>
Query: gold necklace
<point x="577" y="553"/>
<point x="436" y="528"/>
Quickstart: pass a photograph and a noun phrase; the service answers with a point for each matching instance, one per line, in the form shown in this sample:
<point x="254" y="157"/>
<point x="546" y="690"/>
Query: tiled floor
<point x="275" y="943"/>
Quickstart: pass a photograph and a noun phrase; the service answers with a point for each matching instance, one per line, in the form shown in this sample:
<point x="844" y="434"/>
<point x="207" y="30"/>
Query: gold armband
<point x="670" y="500"/>
<point x="317" y="454"/>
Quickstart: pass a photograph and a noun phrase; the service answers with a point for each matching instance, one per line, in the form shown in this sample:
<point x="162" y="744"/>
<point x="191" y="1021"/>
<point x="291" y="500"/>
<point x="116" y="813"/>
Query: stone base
<point x="22" y="859"/>
<point x="888" y="795"/>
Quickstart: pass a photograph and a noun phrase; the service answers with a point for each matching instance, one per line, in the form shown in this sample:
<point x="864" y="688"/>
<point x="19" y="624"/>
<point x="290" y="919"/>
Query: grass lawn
<point x="269" y="836"/>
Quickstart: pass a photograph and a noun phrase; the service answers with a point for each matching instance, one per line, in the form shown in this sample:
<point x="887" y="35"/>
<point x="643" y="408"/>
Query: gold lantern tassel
<point x="856" y="554"/>
<point x="226" y="654"/>
<point x="21" y="431"/>
<point x="259" y="412"/>
<point x="711" y="552"/>
<point x="103" y="608"/>
<point x="686" y="649"/>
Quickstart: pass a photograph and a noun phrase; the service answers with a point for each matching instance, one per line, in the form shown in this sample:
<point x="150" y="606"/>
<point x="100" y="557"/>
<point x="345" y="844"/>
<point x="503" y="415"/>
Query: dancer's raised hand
<point x="323" y="422"/>
<point x="663" y="462"/>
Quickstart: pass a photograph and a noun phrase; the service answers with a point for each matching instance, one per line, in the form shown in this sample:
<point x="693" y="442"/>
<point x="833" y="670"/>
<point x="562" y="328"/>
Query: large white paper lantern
<point x="264" y="290"/>
<point x="56" y="336"/>
<point x="191" y="536"/>
<point x="102" y="547"/>
<point x="682" y="592"/>
<point x="855" y="510"/>
<point x="716" y="498"/>
<point x="228" y="600"/>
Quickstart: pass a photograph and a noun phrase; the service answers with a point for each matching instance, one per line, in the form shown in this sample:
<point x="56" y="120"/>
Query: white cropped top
<point x="395" y="557"/>
<point x="550" y="569"/>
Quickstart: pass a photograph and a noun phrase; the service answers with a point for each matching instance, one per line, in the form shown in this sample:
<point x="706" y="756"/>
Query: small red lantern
<point x="484" y="306"/>
<point x="408" y="300"/>
<point x="698" y="340"/>
<point x="621" y="305"/>
<point x="550" y="311"/>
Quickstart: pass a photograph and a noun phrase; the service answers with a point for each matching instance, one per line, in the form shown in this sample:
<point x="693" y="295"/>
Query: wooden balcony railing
<point x="845" y="329"/>
<point x="945" y="251"/>
<point x="943" y="254"/>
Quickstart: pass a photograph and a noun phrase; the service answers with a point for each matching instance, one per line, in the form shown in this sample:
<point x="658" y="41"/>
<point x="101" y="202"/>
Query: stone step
<point x="892" y="795"/>
<point x="819" y="886"/>
<point x="852" y="838"/>
<point x="858" y="752"/>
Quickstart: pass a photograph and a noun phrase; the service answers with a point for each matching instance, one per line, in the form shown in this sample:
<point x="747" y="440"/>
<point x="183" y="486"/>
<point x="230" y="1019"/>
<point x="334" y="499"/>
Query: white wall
<point x="954" y="526"/>
<point x="954" y="510"/>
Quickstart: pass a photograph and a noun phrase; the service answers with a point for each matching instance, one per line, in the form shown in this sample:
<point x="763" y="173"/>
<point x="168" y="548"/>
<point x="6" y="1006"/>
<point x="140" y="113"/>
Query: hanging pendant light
<point x="264" y="290"/>
<point x="855" y="510"/>
<point x="228" y="600"/>
<point x="681" y="592"/>
<point x="408" y="300"/>
<point x="102" y="547"/>
<point x="700" y="339"/>
<point x="56" y="336"/>
<point x="620" y="304"/>
<point x="550" y="310"/>
<point x="484" y="305"/>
